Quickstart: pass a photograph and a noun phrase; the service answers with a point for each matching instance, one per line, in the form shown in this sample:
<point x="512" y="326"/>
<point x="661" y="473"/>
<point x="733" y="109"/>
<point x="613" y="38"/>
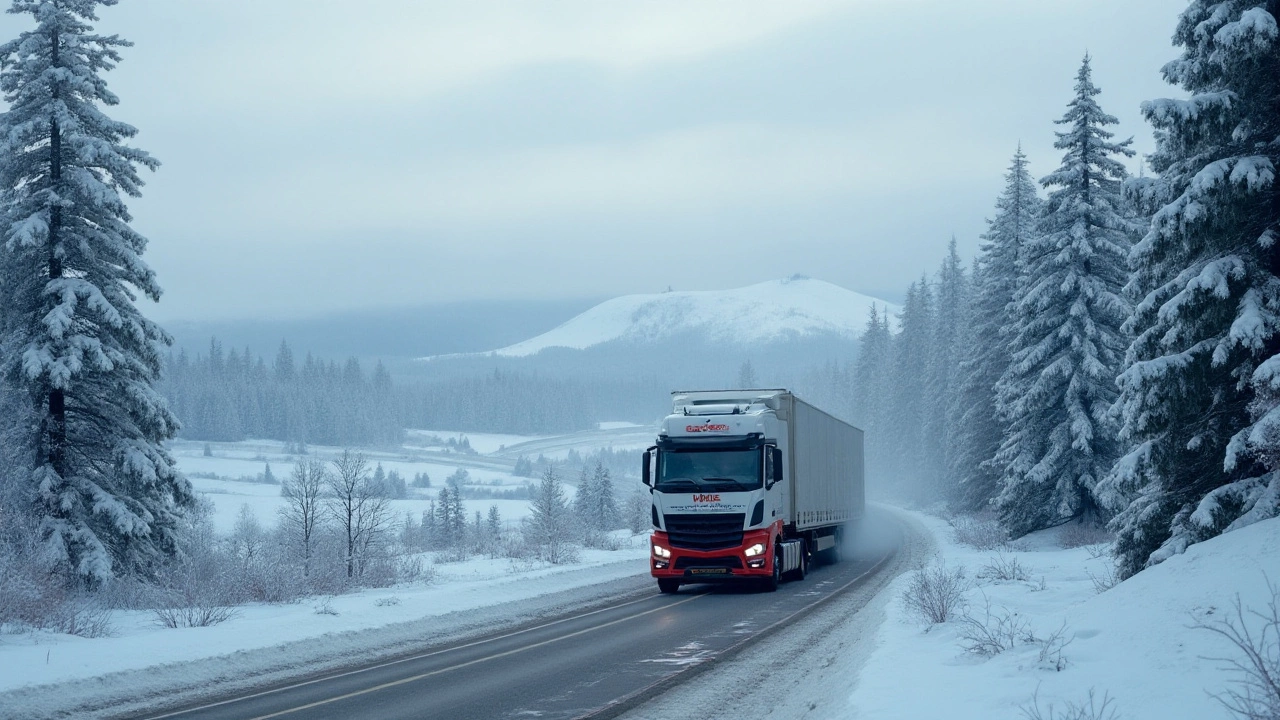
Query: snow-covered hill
<point x="762" y="313"/>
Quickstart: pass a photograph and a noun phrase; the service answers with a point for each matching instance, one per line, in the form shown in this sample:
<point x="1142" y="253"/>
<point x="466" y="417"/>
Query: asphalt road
<point x="592" y="663"/>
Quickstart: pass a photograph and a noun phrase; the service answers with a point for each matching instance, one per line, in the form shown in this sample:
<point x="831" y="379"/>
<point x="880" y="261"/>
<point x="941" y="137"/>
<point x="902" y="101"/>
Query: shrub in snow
<point x="1094" y="708"/>
<point x="1051" y="648"/>
<point x="33" y="598"/>
<point x="994" y="631"/>
<point x="387" y="601"/>
<point x="1106" y="578"/>
<point x="983" y="532"/>
<point x="1004" y="566"/>
<point x="325" y="606"/>
<point x="935" y="592"/>
<point x="86" y="617"/>
<point x="181" y="611"/>
<point x="1080" y="534"/>
<point x="200" y="585"/>
<point x="1255" y="663"/>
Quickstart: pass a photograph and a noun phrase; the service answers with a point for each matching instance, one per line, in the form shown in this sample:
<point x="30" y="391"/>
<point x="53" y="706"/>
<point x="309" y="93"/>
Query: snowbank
<point x="1134" y="642"/>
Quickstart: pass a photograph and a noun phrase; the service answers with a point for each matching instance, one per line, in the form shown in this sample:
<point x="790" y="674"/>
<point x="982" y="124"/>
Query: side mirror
<point x="646" y="467"/>
<point x="777" y="464"/>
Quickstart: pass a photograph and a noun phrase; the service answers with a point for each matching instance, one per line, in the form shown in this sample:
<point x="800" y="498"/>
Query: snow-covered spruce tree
<point x="107" y="494"/>
<point x="548" y="531"/>
<point x="1199" y="393"/>
<point x="870" y="389"/>
<point x="977" y="431"/>
<point x="951" y="303"/>
<point x="906" y="396"/>
<point x="1066" y="335"/>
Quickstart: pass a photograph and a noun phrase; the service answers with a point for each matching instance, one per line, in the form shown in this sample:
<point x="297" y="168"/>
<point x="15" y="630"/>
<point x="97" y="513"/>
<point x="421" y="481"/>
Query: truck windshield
<point x="707" y="469"/>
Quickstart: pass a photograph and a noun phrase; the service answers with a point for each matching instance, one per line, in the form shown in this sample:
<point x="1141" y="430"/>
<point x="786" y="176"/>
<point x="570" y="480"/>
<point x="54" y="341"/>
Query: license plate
<point x="708" y="571"/>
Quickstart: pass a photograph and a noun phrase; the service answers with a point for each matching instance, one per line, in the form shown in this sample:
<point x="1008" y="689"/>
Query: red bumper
<point x="712" y="565"/>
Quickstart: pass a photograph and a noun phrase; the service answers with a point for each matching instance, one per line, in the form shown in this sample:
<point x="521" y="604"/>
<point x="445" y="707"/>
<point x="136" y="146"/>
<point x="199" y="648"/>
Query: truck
<point x="750" y="486"/>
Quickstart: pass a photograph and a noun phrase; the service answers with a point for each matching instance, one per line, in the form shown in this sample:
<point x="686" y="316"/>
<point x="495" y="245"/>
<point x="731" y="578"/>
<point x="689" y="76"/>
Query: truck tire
<point x="803" y="570"/>
<point x="668" y="585"/>
<point x="771" y="584"/>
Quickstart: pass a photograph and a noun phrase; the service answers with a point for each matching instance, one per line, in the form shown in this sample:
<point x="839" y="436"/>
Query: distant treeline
<point x="228" y="395"/>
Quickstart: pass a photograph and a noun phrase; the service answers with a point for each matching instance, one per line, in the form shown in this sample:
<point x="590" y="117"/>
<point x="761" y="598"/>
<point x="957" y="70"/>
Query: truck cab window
<point x="706" y="470"/>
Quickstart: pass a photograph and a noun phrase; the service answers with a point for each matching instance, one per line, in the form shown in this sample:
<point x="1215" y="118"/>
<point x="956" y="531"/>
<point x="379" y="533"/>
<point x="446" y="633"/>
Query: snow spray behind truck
<point x="750" y="485"/>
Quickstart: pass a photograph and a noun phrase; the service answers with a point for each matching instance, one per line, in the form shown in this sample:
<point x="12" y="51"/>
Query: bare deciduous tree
<point x="361" y="511"/>
<point x="303" y="493"/>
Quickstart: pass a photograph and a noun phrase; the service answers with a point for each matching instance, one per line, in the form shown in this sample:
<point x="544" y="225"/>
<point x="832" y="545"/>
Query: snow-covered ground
<point x="1133" y="643"/>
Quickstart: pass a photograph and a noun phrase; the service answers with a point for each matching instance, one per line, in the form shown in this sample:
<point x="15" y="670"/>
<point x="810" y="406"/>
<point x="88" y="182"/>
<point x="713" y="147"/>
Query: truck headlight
<point x="659" y="551"/>
<point x="757" y="549"/>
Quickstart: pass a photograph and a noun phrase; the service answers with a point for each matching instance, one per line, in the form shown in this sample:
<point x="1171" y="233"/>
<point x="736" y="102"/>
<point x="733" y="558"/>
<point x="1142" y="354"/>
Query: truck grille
<point x="704" y="532"/>
<point x="719" y="562"/>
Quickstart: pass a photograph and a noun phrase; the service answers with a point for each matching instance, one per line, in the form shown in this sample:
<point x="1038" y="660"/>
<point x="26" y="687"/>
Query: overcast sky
<point x="321" y="155"/>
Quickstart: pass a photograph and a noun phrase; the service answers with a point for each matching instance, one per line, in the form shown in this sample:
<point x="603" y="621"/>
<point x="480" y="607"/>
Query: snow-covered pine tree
<point x="1198" y="396"/>
<point x="977" y="431"/>
<point x="584" y="499"/>
<point x="1067" y="340"/>
<point x="951" y="308"/>
<point x="494" y="523"/>
<point x="906" y="397"/>
<point x="870" y="388"/>
<point x="605" y="505"/>
<point x="107" y="493"/>
<point x="548" y="529"/>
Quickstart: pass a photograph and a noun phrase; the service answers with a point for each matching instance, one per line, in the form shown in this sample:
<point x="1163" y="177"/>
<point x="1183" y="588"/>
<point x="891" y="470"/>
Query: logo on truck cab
<point x="706" y="498"/>
<point x="705" y="428"/>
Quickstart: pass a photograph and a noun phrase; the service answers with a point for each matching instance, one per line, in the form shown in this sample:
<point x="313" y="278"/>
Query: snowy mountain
<point x="762" y="314"/>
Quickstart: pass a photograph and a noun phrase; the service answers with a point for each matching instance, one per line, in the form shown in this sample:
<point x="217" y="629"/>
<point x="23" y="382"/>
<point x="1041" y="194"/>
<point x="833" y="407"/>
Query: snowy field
<point x="225" y="477"/>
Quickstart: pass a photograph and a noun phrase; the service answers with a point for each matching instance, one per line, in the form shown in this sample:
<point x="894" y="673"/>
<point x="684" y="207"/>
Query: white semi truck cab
<point x="749" y="485"/>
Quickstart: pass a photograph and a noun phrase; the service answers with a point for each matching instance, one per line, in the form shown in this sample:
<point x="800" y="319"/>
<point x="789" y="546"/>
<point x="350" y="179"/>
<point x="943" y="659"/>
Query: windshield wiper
<point x="673" y="483"/>
<point x="721" y="481"/>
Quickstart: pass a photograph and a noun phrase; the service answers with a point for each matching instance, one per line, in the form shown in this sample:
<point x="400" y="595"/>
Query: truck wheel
<point x="771" y="585"/>
<point x="668" y="586"/>
<point x="804" y="561"/>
